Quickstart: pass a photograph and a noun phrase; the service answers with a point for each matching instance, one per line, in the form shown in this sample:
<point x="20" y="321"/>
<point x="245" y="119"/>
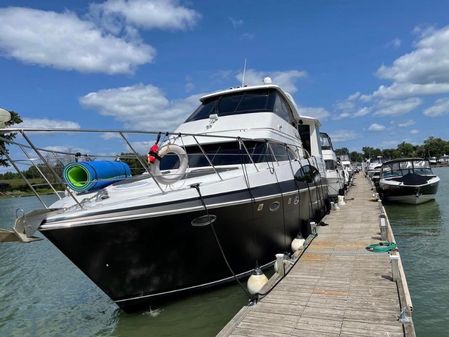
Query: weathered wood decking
<point x="337" y="288"/>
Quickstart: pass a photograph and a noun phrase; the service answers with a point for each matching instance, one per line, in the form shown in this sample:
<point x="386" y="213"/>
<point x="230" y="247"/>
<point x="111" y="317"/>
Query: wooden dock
<point x="337" y="287"/>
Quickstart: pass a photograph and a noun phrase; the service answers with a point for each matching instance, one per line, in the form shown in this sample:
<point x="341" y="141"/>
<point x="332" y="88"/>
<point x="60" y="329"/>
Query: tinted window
<point x="308" y="174"/>
<point x="281" y="108"/>
<point x="326" y="143"/>
<point x="304" y="133"/>
<point x="244" y="102"/>
<point x="330" y="165"/>
<point x="230" y="153"/>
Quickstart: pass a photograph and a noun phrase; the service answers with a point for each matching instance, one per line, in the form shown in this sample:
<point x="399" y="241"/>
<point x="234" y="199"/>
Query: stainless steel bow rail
<point x="23" y="152"/>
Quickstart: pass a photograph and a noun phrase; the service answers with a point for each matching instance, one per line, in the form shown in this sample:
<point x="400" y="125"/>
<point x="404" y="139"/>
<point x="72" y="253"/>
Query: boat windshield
<point x="326" y="143"/>
<point x="401" y="168"/>
<point x="260" y="100"/>
<point x="230" y="153"/>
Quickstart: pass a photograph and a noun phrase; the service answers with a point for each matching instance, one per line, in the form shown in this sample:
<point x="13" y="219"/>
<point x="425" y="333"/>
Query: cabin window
<point x="281" y="108"/>
<point x="326" y="143"/>
<point x="330" y="164"/>
<point x="308" y="174"/>
<point x="229" y="153"/>
<point x="304" y="133"/>
<point x="261" y="100"/>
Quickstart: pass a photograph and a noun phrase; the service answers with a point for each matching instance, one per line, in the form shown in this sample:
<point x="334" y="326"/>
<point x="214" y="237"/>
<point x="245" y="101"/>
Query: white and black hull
<point x="159" y="251"/>
<point x="399" y="191"/>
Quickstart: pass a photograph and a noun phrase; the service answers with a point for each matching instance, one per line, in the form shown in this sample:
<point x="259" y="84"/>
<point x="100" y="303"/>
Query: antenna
<point x="244" y="72"/>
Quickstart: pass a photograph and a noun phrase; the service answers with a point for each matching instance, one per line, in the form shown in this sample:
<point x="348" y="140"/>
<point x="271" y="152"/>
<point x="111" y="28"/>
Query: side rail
<point x="23" y="153"/>
<point x="406" y="315"/>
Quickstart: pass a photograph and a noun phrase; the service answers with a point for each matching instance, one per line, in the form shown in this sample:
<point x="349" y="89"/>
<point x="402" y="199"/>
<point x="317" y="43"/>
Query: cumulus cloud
<point x="141" y="107"/>
<point x="376" y="127"/>
<point x="64" y="41"/>
<point x="426" y="64"/>
<point x="44" y="123"/>
<point x="285" y="79"/>
<point x="339" y="136"/>
<point x="316" y="112"/>
<point x="146" y="14"/>
<point x="439" y="108"/>
<point x="406" y="124"/>
<point x="389" y="108"/>
<point x="424" y="71"/>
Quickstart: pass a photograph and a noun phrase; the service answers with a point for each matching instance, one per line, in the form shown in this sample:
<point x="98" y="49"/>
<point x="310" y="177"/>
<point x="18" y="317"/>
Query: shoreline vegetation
<point x="12" y="184"/>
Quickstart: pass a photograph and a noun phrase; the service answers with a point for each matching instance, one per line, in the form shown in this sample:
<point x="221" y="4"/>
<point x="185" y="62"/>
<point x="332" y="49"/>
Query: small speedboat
<point x="408" y="180"/>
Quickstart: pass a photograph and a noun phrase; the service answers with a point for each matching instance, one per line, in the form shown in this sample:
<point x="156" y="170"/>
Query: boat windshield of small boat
<point x="400" y="168"/>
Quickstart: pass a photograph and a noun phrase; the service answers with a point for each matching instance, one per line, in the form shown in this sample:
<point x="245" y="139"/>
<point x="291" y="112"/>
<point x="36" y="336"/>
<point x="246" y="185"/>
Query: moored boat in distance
<point x="334" y="169"/>
<point x="408" y="180"/>
<point x="232" y="186"/>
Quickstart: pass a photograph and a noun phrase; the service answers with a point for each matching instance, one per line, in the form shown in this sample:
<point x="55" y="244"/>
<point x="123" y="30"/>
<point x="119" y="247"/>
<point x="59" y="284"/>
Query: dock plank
<point x="336" y="288"/>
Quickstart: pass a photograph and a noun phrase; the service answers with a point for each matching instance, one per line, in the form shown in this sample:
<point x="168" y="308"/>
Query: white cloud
<point x="285" y="79"/>
<point x="414" y="131"/>
<point x="376" y="127"/>
<point x="406" y="124"/>
<point x="399" y="90"/>
<point x="395" y="43"/>
<point x="236" y="22"/>
<point x="424" y="71"/>
<point x="44" y="123"/>
<point x="316" y="112"/>
<point x="146" y="14"/>
<point x="339" y="136"/>
<point x="388" y="108"/>
<point x="141" y="107"/>
<point x="64" y="41"/>
<point x="426" y="64"/>
<point x="439" y="108"/>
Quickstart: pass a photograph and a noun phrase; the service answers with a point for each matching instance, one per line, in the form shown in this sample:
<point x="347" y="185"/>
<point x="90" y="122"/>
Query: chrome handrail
<point x="121" y="134"/>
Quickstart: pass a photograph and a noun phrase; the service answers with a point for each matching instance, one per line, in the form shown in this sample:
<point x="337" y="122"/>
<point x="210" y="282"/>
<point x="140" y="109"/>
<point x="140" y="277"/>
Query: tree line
<point x="432" y="147"/>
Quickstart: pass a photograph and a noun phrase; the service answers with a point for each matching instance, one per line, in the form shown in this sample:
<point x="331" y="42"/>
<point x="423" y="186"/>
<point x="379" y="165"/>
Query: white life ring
<point x="174" y="175"/>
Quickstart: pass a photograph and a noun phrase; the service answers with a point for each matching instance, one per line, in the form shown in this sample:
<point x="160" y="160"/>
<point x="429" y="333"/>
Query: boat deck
<point x="337" y="288"/>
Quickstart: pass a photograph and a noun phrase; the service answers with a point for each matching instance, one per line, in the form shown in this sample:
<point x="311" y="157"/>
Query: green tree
<point x="371" y="152"/>
<point x="15" y="119"/>
<point x="436" y="147"/>
<point x="342" y="151"/>
<point x="356" y="157"/>
<point x="406" y="149"/>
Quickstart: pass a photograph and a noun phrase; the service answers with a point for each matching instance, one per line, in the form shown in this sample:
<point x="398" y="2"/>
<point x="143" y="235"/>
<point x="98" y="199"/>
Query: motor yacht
<point x="334" y="170"/>
<point x="228" y="189"/>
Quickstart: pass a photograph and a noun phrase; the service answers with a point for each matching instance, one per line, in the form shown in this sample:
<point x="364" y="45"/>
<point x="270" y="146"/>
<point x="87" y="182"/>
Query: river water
<point x="43" y="294"/>
<point x="422" y="233"/>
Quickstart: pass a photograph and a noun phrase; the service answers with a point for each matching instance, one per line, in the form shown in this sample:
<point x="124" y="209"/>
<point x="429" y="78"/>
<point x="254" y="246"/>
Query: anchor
<point x="26" y="225"/>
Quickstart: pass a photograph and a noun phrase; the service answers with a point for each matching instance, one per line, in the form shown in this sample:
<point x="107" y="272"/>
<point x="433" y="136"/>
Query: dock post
<point x="383" y="227"/>
<point x="280" y="267"/>
<point x="313" y="228"/>
<point x="394" y="259"/>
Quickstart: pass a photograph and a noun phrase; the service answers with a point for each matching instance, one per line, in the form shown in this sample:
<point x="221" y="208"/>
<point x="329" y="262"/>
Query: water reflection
<point x="43" y="294"/>
<point x="422" y="233"/>
<point x="424" y="219"/>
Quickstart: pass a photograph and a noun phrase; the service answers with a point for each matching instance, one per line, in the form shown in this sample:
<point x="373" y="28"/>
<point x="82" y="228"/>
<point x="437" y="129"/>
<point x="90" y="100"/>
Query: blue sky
<point x="375" y="72"/>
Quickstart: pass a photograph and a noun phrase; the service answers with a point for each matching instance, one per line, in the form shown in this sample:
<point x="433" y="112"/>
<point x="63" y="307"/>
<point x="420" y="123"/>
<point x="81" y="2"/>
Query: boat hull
<point x="408" y="194"/>
<point x="143" y="262"/>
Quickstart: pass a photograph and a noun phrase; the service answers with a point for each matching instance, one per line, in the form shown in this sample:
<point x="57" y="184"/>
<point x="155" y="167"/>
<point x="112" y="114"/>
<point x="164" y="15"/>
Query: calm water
<point x="422" y="233"/>
<point x="43" y="294"/>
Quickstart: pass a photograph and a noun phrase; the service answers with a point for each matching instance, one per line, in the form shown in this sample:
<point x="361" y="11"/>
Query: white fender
<point x="174" y="175"/>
